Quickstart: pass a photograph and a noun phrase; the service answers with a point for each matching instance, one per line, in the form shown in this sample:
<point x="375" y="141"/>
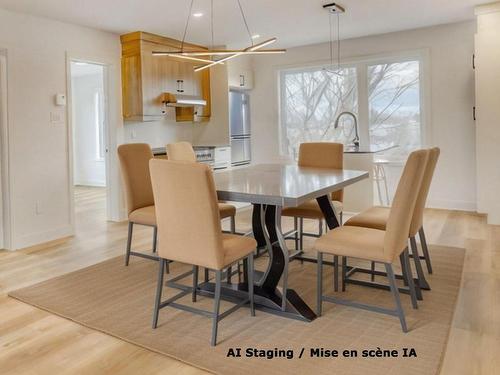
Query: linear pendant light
<point x="253" y="49"/>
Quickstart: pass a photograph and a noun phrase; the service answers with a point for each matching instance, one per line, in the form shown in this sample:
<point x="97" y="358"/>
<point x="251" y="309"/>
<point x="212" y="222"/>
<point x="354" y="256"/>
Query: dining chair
<point x="134" y="163"/>
<point x="183" y="151"/>
<point x="377" y="218"/>
<point x="189" y="232"/>
<point x="381" y="246"/>
<point x="316" y="155"/>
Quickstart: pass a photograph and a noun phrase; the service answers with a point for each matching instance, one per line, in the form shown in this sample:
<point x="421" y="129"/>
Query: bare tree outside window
<point x="313" y="98"/>
<point x="312" y="101"/>
<point x="394" y="107"/>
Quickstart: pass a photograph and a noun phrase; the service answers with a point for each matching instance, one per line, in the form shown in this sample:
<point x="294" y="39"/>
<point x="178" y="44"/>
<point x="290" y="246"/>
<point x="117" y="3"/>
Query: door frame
<point x="113" y="193"/>
<point x="5" y="202"/>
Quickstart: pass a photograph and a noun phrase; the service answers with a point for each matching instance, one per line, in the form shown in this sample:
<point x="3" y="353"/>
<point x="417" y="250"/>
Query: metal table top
<point x="285" y="185"/>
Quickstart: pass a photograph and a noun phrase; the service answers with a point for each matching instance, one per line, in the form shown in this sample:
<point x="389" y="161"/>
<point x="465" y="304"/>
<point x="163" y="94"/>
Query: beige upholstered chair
<point x="134" y="161"/>
<point x="189" y="231"/>
<point x="379" y="245"/>
<point x="316" y="155"/>
<point x="183" y="151"/>
<point x="377" y="217"/>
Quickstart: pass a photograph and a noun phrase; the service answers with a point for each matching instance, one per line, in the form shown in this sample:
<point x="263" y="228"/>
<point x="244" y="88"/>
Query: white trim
<point x="114" y="210"/>
<point x="447" y="204"/>
<point x="5" y="180"/>
<point x="33" y="239"/>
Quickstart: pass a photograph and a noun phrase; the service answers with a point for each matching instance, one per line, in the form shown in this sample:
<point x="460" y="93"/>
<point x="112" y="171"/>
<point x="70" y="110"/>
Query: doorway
<point x="89" y="129"/>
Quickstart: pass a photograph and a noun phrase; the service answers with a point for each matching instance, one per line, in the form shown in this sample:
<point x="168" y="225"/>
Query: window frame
<point x="361" y="64"/>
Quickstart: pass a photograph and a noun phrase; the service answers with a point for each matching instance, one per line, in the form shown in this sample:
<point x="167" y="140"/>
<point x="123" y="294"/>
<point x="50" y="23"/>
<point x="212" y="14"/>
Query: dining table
<point x="269" y="188"/>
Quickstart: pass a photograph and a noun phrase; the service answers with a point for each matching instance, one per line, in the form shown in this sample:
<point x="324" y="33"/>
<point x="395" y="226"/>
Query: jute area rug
<point x="119" y="300"/>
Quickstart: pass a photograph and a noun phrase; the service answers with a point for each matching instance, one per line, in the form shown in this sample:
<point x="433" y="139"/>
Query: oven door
<point x="241" y="151"/>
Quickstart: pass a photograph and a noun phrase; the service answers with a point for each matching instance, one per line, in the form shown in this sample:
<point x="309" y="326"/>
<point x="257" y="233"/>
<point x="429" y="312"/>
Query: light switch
<point x="61" y="100"/>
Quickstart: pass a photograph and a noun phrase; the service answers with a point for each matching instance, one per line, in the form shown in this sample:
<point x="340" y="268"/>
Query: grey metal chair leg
<point x="372" y="277"/>
<point x="215" y="318"/>
<point x="195" y="282"/>
<point x="301" y="233"/>
<point x="319" y="286"/>
<point x="159" y="289"/>
<point x="409" y="278"/>
<point x="250" y="284"/>
<point x="425" y="249"/>
<point x="341" y="218"/>
<point x="167" y="267"/>
<point x="233" y="224"/>
<point x="422" y="282"/>
<point x="155" y="238"/>
<point x="129" y="242"/>
<point x="395" y="293"/>
<point x="320" y="227"/>
<point x="344" y="272"/>
<point x="336" y="273"/>
<point x="296" y="229"/>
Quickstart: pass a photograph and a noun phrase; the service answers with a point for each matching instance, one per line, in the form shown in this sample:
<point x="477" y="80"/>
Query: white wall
<point x="488" y="110"/>
<point x="88" y="169"/>
<point x="452" y="98"/>
<point x="38" y="149"/>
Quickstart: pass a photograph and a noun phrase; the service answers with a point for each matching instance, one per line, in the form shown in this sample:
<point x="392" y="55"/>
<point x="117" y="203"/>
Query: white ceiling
<point x="294" y="22"/>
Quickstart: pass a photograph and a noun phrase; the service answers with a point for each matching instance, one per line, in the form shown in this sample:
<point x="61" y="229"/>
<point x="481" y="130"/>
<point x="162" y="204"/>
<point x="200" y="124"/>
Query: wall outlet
<point x="56" y="117"/>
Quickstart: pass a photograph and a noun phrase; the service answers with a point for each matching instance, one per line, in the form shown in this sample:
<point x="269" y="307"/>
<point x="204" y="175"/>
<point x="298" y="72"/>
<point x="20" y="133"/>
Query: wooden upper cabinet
<point x="145" y="78"/>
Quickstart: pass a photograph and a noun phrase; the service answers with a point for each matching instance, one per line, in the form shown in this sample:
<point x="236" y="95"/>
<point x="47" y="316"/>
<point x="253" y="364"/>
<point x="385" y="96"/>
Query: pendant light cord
<point x="246" y="23"/>
<point x="212" y="21"/>
<point x="332" y="42"/>
<point x="187" y="25"/>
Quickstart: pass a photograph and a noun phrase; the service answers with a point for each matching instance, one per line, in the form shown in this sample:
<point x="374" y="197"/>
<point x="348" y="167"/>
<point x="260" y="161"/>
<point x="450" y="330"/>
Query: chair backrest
<point x="398" y="224"/>
<point x="323" y="155"/>
<point x="134" y="162"/>
<point x="418" y="213"/>
<point x="181" y="151"/>
<point x="187" y="213"/>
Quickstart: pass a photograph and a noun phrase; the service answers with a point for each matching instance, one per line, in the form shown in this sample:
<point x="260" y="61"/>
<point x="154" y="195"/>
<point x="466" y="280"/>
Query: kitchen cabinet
<point x="146" y="78"/>
<point x="240" y="78"/>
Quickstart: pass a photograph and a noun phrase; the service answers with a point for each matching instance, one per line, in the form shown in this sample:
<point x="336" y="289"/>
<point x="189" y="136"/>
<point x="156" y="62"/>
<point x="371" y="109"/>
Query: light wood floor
<point x="35" y="342"/>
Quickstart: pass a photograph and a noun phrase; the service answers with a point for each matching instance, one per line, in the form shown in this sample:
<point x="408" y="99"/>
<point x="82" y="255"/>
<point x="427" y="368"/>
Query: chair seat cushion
<point x="226" y="210"/>
<point x="356" y="242"/>
<point x="375" y="218"/>
<point x="310" y="210"/>
<point x="237" y="247"/>
<point x="144" y="216"/>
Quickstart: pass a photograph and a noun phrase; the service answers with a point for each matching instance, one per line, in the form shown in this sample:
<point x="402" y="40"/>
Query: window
<point x="312" y="100"/>
<point x="384" y="95"/>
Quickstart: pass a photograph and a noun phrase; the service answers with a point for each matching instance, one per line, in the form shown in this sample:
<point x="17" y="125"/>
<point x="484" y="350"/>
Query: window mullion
<point x="363" y="105"/>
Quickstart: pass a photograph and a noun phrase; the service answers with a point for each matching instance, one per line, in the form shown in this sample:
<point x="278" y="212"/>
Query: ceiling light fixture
<point x="253" y="49"/>
<point x="334" y="9"/>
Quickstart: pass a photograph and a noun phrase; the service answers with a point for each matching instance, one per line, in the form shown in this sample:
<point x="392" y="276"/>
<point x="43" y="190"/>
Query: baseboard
<point x="34" y="239"/>
<point x="90" y="183"/>
<point x="452" y="205"/>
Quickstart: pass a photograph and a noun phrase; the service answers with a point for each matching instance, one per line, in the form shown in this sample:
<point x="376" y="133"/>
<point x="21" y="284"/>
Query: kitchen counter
<point x="368" y="150"/>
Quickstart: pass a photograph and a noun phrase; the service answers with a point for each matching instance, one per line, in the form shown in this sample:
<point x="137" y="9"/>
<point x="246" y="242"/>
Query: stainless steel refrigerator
<point x="239" y="122"/>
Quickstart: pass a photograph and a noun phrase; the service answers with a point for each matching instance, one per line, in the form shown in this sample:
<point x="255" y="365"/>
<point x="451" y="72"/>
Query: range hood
<point x="174" y="100"/>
